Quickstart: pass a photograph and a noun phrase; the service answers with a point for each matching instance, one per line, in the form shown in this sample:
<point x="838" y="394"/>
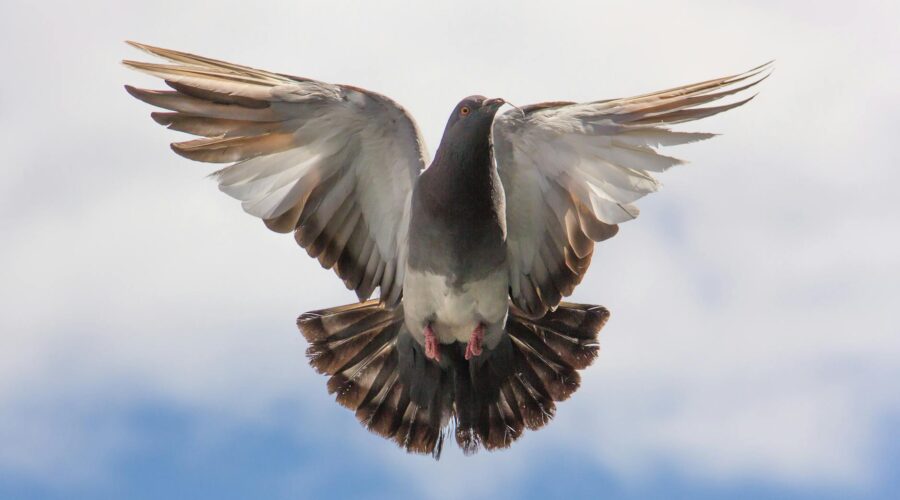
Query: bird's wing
<point x="335" y="164"/>
<point x="571" y="172"/>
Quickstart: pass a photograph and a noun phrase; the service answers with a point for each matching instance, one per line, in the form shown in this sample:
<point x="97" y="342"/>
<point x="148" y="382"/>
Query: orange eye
<point x="464" y="110"/>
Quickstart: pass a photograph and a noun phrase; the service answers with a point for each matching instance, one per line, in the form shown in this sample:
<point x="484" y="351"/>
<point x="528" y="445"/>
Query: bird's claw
<point x="473" y="348"/>
<point x="432" y="346"/>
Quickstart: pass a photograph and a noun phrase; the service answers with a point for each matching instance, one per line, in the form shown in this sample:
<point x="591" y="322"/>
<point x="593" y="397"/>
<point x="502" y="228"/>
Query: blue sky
<point x="147" y="338"/>
<point x="267" y="462"/>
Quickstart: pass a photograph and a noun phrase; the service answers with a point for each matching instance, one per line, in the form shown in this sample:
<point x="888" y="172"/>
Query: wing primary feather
<point x="603" y="154"/>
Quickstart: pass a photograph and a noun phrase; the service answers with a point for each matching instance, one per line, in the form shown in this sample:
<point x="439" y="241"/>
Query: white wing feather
<point x="572" y="172"/>
<point x="333" y="163"/>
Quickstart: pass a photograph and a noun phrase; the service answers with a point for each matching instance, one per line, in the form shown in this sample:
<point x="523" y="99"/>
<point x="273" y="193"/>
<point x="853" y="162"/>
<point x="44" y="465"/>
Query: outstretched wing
<point x="572" y="171"/>
<point x="335" y="164"/>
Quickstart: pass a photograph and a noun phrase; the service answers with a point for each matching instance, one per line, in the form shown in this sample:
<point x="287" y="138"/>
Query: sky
<point x="147" y="338"/>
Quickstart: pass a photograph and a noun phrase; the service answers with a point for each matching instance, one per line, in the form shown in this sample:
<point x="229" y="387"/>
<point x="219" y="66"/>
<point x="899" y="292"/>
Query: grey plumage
<point x="472" y="256"/>
<point x="457" y="203"/>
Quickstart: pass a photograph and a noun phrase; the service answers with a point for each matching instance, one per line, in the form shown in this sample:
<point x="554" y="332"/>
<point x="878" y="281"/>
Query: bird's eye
<point x="464" y="110"/>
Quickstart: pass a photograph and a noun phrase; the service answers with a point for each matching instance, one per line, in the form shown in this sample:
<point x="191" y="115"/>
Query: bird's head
<point x="469" y="125"/>
<point x="473" y="112"/>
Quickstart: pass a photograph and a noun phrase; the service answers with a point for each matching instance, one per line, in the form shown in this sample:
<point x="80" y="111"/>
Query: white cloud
<point x="749" y="338"/>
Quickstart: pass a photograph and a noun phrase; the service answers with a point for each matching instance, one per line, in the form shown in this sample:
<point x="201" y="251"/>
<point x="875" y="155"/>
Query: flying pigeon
<point x="472" y="253"/>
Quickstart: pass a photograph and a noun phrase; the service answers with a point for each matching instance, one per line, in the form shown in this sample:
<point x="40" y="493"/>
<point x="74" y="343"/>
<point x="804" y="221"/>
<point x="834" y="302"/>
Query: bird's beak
<point x="495" y="102"/>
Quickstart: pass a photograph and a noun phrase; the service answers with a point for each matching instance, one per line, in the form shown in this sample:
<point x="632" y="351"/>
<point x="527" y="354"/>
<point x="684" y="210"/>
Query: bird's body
<point x="472" y="255"/>
<point x="456" y="274"/>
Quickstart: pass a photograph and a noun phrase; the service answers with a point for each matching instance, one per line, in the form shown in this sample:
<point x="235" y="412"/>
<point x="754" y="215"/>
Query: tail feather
<point x="558" y="378"/>
<point x="570" y="332"/>
<point x="340" y="334"/>
<point x="380" y="372"/>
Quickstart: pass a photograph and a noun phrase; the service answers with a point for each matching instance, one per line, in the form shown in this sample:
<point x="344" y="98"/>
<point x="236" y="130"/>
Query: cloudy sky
<point x="147" y="338"/>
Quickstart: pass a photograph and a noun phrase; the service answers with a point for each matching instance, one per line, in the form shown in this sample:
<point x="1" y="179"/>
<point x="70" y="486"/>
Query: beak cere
<point x="496" y="102"/>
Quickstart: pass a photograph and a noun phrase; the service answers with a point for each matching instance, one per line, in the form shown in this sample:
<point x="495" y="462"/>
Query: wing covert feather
<point x="335" y="164"/>
<point x="572" y="172"/>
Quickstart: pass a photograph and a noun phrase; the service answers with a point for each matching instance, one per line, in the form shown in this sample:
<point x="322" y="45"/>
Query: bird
<point x="472" y="252"/>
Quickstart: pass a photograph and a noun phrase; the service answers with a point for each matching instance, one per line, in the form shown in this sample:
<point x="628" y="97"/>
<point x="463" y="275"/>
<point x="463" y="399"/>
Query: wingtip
<point x="180" y="150"/>
<point x="133" y="65"/>
<point x="141" y="46"/>
<point x="162" y="118"/>
<point x="735" y="104"/>
<point x="762" y="71"/>
<point x="766" y="65"/>
<point x="152" y="50"/>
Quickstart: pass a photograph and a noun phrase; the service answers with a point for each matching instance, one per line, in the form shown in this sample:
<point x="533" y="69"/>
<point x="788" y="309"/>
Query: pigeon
<point x="472" y="253"/>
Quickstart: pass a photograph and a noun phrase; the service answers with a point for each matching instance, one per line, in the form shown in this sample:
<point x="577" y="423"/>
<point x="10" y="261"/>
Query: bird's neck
<point x="464" y="186"/>
<point x="472" y="161"/>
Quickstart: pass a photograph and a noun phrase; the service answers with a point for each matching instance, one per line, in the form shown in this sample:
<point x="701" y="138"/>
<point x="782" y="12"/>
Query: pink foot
<point x="473" y="348"/>
<point x="432" y="346"/>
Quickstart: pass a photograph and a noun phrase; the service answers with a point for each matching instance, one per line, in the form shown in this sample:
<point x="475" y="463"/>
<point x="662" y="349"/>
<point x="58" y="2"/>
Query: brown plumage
<point x="384" y="378"/>
<point x="241" y="115"/>
<point x="632" y="124"/>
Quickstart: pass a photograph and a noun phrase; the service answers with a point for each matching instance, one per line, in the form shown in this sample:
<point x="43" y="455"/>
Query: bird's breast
<point x="453" y="310"/>
<point x="457" y="224"/>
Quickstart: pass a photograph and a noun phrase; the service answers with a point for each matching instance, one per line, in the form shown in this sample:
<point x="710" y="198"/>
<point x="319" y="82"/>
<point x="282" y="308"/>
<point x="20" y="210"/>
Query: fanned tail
<point x="380" y="372"/>
<point x="533" y="367"/>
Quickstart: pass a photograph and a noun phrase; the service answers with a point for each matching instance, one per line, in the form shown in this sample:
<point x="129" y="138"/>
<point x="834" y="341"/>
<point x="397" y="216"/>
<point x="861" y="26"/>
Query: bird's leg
<point x="432" y="346"/>
<point x="473" y="348"/>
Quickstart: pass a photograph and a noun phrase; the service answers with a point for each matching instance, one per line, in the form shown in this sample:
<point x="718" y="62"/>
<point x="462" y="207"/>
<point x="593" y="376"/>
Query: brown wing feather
<point x="253" y="118"/>
<point x="600" y="154"/>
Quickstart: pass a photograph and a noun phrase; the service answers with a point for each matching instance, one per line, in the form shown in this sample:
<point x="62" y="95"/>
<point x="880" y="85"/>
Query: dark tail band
<point x="380" y="372"/>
